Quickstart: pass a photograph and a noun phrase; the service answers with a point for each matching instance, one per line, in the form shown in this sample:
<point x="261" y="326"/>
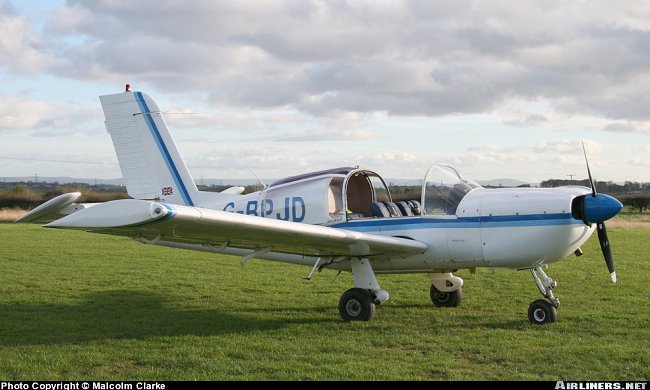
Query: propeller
<point x="591" y="180"/>
<point x="602" y="231"/>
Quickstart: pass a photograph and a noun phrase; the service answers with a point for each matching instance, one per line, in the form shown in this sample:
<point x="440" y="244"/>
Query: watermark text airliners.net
<point x="561" y="385"/>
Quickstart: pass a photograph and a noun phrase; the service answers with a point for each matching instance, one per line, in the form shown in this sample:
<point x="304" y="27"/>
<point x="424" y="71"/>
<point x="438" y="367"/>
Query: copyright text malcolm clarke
<point x="561" y="385"/>
<point x="81" y="385"/>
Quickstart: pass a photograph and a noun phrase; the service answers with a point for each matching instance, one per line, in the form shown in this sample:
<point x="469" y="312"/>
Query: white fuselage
<point x="508" y="228"/>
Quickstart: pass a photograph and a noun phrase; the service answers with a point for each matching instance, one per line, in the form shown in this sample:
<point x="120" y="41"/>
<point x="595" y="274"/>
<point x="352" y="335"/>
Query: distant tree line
<point x="633" y="195"/>
<point x="608" y="187"/>
<point x="399" y="193"/>
<point x="637" y="201"/>
<point x="27" y="195"/>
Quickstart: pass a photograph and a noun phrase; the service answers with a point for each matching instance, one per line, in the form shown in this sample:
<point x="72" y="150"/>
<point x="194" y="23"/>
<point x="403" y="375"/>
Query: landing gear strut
<point x="358" y="304"/>
<point x="542" y="311"/>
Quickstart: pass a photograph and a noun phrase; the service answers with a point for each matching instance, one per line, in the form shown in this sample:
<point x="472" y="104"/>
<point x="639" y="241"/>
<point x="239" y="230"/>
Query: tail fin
<point x="150" y="162"/>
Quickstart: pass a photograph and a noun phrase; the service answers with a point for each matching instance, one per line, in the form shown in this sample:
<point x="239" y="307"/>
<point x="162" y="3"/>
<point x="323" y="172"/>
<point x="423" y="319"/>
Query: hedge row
<point x="25" y="199"/>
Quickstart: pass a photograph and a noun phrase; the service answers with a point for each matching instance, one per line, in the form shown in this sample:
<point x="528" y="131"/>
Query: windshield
<point x="444" y="187"/>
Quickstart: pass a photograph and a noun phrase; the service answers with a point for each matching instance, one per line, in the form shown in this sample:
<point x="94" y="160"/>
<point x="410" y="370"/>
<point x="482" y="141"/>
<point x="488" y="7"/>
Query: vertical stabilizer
<point x="151" y="165"/>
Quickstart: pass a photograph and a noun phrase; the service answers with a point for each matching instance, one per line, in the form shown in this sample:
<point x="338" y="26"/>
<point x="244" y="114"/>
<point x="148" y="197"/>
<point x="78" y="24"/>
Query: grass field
<point x="80" y="306"/>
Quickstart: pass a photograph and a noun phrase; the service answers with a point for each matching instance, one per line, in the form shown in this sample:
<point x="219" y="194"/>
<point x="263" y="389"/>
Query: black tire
<point x="542" y="312"/>
<point x="356" y="305"/>
<point x="446" y="299"/>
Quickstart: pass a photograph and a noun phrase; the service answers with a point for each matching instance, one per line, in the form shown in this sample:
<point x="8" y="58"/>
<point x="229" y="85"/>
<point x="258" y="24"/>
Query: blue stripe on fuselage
<point x="163" y="148"/>
<point x="411" y="223"/>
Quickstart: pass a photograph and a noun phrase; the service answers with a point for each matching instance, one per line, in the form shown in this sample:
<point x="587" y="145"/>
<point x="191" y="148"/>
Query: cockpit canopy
<point x="443" y="189"/>
<point x="353" y="196"/>
<point x="347" y="193"/>
<point x="332" y="195"/>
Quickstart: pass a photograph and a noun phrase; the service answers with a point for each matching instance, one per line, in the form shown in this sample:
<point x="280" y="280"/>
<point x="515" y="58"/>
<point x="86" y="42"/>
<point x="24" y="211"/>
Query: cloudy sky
<point x="499" y="88"/>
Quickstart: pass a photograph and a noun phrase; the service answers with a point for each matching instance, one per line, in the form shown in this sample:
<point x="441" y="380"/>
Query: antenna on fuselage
<point x="257" y="177"/>
<point x="253" y="172"/>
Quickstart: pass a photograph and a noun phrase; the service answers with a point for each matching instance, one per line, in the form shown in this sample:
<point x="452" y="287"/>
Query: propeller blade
<point x="591" y="180"/>
<point x="602" y="231"/>
<point x="607" y="251"/>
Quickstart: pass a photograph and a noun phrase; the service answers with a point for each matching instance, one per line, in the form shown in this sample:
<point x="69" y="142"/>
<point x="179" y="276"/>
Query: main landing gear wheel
<point x="446" y="299"/>
<point x="542" y="312"/>
<point x="356" y="304"/>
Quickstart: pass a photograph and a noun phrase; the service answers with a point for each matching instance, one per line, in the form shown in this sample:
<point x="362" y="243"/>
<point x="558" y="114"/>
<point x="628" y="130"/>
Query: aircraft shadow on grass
<point x="127" y="314"/>
<point x="439" y="316"/>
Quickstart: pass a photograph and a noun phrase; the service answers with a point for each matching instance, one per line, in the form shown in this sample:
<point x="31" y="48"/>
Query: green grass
<point x="75" y="305"/>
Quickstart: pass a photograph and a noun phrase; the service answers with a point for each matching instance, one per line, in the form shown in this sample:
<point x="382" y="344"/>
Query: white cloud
<point x="492" y="148"/>
<point x="640" y="162"/>
<point x="232" y="118"/>
<point x="555" y="147"/>
<point x="243" y="156"/>
<point x="526" y="119"/>
<point x="316" y="70"/>
<point x="488" y="157"/>
<point x="402" y="164"/>
<point x="561" y="146"/>
<point x="319" y="135"/>
<point x="628" y="127"/>
<point x="67" y="20"/>
<point x="17" y="113"/>
<point x="403" y="58"/>
<point x="21" y="49"/>
<point x="46" y="119"/>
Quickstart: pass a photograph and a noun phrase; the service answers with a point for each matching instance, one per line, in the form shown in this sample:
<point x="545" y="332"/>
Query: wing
<point x="184" y="224"/>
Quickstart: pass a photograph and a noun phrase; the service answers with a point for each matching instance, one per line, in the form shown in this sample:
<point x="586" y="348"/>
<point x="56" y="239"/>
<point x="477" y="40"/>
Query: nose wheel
<point x="445" y="289"/>
<point x="446" y="298"/>
<point x="543" y="311"/>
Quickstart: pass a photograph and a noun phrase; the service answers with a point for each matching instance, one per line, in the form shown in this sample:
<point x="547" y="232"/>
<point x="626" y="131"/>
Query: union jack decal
<point x="167" y="191"/>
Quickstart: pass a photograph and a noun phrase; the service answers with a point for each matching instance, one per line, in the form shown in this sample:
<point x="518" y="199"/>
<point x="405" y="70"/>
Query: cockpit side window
<point x="359" y="194"/>
<point x="380" y="192"/>
<point x="363" y="190"/>
<point x="335" y="197"/>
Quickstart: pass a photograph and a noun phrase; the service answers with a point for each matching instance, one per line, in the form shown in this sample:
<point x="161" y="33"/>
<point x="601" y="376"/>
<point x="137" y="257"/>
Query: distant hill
<point x="502" y="182"/>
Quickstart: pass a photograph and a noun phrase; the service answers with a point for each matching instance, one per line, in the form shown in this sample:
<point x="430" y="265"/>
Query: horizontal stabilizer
<point x="116" y="213"/>
<point x="233" y="190"/>
<point x="51" y="209"/>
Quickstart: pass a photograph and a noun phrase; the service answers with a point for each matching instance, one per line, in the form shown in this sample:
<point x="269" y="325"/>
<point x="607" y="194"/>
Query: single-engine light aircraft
<point x="341" y="219"/>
